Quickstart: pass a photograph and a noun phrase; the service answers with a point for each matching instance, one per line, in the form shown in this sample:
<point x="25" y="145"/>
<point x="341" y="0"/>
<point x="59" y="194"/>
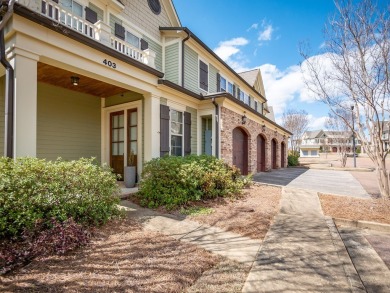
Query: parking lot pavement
<point x="324" y="181"/>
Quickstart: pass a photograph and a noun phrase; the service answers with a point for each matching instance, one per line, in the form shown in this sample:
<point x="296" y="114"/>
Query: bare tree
<point x="296" y="121"/>
<point x="354" y="71"/>
<point x="339" y="133"/>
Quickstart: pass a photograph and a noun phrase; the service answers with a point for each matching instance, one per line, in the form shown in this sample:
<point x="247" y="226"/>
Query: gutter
<point x="6" y="10"/>
<point x="200" y="42"/>
<point x="182" y="56"/>
<point x="216" y="128"/>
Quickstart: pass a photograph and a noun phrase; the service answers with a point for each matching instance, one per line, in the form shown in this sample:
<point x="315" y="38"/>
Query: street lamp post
<point x="353" y="138"/>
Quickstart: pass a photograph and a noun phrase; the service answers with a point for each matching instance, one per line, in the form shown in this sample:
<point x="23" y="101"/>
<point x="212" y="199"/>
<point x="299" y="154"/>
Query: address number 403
<point x="109" y="63"/>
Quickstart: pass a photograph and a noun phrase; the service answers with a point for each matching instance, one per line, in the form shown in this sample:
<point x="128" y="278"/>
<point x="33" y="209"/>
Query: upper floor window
<point x="256" y="106"/>
<point x="244" y="97"/>
<point x="223" y="84"/>
<point x="176" y="133"/>
<point x="72" y="6"/>
<point x="230" y="88"/>
<point x="203" y="76"/>
<point x="132" y="39"/>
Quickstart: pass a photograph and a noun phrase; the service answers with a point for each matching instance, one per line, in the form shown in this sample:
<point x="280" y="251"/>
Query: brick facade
<point x="231" y="120"/>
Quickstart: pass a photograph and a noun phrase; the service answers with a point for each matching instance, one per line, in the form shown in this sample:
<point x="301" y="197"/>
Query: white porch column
<point x="25" y="103"/>
<point x="152" y="127"/>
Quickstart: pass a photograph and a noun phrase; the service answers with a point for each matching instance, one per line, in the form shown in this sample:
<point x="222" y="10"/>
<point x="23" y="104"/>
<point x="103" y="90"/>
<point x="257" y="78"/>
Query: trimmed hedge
<point x="173" y="181"/>
<point x="37" y="191"/>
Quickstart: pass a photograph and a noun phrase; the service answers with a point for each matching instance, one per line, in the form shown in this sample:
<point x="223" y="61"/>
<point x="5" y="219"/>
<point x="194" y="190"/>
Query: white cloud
<point x="281" y="87"/>
<point x="230" y="52"/>
<point x="253" y="26"/>
<point x="229" y="48"/>
<point x="266" y="33"/>
<point x="316" y="123"/>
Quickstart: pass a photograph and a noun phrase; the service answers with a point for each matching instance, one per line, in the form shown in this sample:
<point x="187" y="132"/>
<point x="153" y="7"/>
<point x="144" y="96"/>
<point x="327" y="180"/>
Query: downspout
<point x="6" y="11"/>
<point x="182" y="55"/>
<point x="216" y="128"/>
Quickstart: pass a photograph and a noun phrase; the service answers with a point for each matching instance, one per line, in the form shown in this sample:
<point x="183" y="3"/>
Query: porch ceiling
<point x="62" y="78"/>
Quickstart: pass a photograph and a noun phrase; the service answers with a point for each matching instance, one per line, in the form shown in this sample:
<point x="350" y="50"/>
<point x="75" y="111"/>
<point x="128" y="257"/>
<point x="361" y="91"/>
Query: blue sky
<point x="266" y="34"/>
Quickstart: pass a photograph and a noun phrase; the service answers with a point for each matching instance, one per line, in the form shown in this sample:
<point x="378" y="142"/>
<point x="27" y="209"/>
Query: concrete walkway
<point x="228" y="244"/>
<point x="324" y="181"/>
<point x="300" y="254"/>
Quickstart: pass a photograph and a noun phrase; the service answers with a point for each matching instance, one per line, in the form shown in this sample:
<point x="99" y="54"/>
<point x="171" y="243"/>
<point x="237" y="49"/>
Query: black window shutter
<point x="43" y="7"/>
<point x="218" y="82"/>
<point x="234" y="91"/>
<point x="238" y="93"/>
<point x="144" y="45"/>
<point x="164" y="130"/>
<point x="119" y="31"/>
<point x="90" y="15"/>
<point x="203" y="76"/>
<point x="187" y="133"/>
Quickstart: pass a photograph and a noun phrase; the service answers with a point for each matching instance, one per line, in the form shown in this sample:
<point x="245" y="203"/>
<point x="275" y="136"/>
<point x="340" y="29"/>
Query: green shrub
<point x="173" y="181"/>
<point x="293" y="160"/>
<point x="34" y="190"/>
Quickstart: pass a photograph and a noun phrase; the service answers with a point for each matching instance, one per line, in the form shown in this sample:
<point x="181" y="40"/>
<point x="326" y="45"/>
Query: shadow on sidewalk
<point x="279" y="177"/>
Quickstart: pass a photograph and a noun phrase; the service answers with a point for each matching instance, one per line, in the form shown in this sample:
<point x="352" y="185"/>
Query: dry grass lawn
<point x="251" y="215"/>
<point x="122" y="257"/>
<point x="346" y="207"/>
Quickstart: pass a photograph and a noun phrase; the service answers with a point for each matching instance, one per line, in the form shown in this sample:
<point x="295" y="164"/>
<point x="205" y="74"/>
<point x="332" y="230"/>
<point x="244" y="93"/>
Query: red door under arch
<point x="273" y="153"/>
<point x="240" y="150"/>
<point x="260" y="153"/>
<point x="282" y="155"/>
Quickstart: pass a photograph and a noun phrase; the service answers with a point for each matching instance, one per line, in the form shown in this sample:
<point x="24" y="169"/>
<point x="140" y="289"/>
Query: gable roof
<point x="313" y="134"/>
<point x="171" y="11"/>
<point x="254" y="78"/>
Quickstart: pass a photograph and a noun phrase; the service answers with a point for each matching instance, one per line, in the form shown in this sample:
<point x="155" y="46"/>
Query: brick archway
<point x="261" y="159"/>
<point x="240" y="150"/>
<point x="273" y="153"/>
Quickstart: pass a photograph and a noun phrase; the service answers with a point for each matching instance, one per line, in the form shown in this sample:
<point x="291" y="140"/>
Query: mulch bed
<point x="346" y="207"/>
<point x="121" y="258"/>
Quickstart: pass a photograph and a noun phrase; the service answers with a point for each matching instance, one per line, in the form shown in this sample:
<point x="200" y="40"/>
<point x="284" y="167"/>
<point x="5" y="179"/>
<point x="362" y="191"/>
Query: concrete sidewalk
<point x="228" y="244"/>
<point x="300" y="254"/>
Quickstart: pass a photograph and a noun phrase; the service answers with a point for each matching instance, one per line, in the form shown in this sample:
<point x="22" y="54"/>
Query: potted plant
<point x="130" y="170"/>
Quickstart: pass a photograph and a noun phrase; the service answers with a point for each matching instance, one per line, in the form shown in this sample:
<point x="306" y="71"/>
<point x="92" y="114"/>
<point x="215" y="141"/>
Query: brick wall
<point x="231" y="120"/>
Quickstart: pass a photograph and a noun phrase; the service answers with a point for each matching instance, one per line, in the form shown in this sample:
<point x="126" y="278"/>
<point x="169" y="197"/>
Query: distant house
<point x="314" y="142"/>
<point x="114" y="79"/>
<point x="386" y="135"/>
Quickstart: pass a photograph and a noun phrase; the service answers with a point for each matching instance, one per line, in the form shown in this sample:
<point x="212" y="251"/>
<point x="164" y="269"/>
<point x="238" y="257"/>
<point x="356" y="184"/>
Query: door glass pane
<point x="114" y="149"/>
<point x="133" y="118"/>
<point x="121" y="148"/>
<point x="133" y="147"/>
<point x="133" y="133"/>
<point x="121" y="134"/>
<point x="115" y="121"/>
<point x="121" y="119"/>
<point x="115" y="134"/>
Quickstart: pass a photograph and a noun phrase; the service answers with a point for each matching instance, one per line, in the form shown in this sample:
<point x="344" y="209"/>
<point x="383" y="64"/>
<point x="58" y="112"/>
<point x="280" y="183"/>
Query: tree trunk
<point x="383" y="179"/>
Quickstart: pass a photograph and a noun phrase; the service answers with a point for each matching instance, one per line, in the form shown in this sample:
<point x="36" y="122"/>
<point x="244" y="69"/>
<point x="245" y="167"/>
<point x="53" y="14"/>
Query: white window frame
<point x="135" y="34"/>
<point x="220" y="83"/>
<point x="70" y="9"/>
<point x="170" y="131"/>
<point x="208" y="74"/>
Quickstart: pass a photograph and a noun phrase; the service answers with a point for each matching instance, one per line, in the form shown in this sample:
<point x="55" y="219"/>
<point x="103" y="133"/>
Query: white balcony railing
<point x="55" y="12"/>
<point x="99" y="31"/>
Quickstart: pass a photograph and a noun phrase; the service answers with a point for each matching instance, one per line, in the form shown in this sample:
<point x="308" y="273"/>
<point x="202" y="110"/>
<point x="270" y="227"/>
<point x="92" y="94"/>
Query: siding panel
<point x="191" y="70"/>
<point x="194" y="130"/>
<point x="2" y="109"/>
<point x="156" y="48"/>
<point x="68" y="124"/>
<point x="172" y="63"/>
<point x="212" y="79"/>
